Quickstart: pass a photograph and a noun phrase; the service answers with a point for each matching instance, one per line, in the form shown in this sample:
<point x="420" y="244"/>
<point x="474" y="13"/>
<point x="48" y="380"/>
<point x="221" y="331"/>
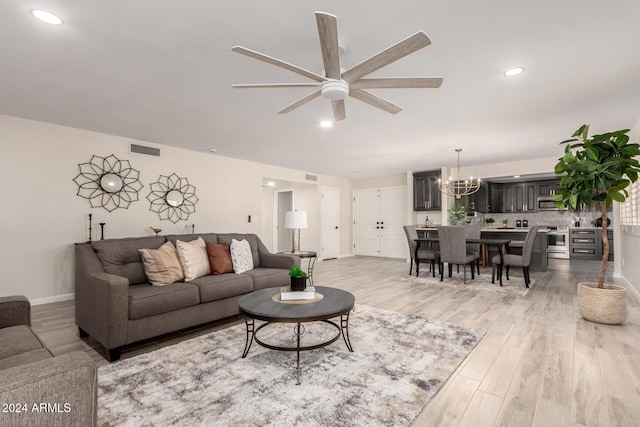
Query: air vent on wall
<point x="141" y="149"/>
<point x="311" y="177"/>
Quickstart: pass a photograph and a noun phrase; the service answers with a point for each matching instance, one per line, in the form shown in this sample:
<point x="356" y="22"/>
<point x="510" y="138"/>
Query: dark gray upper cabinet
<point x="547" y="188"/>
<point x="494" y="197"/>
<point x="478" y="201"/>
<point x="426" y="194"/>
<point x="520" y="197"/>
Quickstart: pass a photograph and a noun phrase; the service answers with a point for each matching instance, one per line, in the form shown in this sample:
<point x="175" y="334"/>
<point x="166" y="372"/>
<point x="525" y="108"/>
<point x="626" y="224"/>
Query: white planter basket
<point x="607" y="305"/>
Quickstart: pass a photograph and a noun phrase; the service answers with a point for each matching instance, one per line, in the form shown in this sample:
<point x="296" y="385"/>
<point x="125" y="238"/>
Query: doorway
<point x="282" y="236"/>
<point x="330" y="220"/>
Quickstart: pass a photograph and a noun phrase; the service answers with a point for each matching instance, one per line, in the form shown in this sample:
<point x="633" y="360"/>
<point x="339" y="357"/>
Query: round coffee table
<point x="265" y="305"/>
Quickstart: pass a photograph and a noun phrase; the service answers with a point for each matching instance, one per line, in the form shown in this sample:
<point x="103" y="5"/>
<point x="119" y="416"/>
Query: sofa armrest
<point x="61" y="391"/>
<point x="15" y="310"/>
<point x="101" y="300"/>
<point x="279" y="261"/>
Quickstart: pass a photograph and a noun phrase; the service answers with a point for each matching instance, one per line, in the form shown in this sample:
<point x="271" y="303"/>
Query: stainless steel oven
<point x="558" y="243"/>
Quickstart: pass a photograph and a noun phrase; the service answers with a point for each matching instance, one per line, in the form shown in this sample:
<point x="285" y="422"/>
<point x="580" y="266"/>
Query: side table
<point x="311" y="261"/>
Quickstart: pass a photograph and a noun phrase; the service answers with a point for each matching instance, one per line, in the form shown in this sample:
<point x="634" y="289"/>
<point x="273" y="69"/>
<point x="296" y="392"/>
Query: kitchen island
<point x="516" y="235"/>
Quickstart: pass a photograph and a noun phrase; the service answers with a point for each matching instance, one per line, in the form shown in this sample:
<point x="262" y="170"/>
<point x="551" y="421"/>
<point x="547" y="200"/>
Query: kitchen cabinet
<point x="519" y="197"/>
<point x="549" y="187"/>
<point x="494" y="197"/>
<point x="426" y="194"/>
<point x="586" y="243"/>
<point x="477" y="202"/>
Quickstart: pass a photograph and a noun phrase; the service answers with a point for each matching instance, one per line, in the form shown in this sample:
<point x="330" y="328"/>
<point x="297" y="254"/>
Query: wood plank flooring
<point x="540" y="363"/>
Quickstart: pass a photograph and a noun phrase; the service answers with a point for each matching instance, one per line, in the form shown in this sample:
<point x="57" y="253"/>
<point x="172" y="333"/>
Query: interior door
<point x="378" y="219"/>
<point x="393" y="242"/>
<point x="366" y="212"/>
<point x="330" y="219"/>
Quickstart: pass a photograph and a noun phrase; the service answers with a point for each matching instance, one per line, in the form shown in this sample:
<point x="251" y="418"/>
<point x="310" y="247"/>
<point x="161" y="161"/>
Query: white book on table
<point x="286" y="294"/>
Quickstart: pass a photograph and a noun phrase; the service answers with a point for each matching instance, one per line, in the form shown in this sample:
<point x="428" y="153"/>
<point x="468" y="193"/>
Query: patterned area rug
<point x="399" y="362"/>
<point x="482" y="282"/>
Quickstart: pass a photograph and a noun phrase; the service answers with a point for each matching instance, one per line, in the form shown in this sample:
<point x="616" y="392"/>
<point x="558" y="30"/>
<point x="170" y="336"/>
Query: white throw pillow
<point x="193" y="258"/>
<point x="241" y="256"/>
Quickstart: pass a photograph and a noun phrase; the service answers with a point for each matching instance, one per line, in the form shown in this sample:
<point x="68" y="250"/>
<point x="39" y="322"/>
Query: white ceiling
<point x="161" y="71"/>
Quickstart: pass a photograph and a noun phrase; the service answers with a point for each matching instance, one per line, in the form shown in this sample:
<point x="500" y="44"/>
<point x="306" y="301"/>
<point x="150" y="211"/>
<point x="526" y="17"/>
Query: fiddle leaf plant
<point x="596" y="171"/>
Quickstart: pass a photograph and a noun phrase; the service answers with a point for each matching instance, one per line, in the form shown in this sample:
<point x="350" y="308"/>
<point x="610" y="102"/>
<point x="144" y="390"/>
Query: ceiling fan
<point x="337" y="85"/>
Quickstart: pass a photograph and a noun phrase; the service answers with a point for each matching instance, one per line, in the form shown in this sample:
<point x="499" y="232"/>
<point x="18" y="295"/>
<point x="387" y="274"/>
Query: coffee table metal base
<point x="298" y="330"/>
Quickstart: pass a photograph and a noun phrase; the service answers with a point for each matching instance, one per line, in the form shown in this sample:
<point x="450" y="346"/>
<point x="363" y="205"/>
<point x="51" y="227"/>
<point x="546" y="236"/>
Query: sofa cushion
<point x="241" y="256"/>
<point x="146" y="300"/>
<point x="18" y="339"/>
<point x="161" y="265"/>
<point x="193" y="258"/>
<point x="24" y="358"/>
<point x="220" y="286"/>
<point x="269" y="277"/>
<point x="121" y="256"/>
<point x="219" y="258"/>
<point x="251" y="238"/>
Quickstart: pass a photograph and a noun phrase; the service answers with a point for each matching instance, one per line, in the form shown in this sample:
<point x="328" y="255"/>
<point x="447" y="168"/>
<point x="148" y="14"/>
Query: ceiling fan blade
<point x="300" y="102"/>
<point x="398" y="82"/>
<point x="375" y="100"/>
<point x="328" y="32"/>
<point x="273" y="85"/>
<point x="278" y="63"/>
<point x="387" y="56"/>
<point x="338" y="110"/>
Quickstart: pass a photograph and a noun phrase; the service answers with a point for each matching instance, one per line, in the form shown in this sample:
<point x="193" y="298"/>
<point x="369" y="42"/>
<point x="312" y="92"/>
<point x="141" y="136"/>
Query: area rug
<point x="482" y="282"/>
<point x="399" y="362"/>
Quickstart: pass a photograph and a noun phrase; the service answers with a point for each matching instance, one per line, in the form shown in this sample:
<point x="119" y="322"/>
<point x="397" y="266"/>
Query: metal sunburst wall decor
<point x="108" y="182"/>
<point x="173" y="198"/>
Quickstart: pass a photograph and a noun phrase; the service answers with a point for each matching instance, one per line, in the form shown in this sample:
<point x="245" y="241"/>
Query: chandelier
<point x="458" y="187"/>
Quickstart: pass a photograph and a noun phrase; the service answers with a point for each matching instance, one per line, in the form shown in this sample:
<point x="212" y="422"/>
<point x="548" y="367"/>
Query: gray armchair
<point x="453" y="250"/>
<point x="51" y="391"/>
<point x="513" y="260"/>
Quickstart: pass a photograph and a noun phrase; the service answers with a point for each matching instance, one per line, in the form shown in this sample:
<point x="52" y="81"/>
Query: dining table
<point x="501" y="244"/>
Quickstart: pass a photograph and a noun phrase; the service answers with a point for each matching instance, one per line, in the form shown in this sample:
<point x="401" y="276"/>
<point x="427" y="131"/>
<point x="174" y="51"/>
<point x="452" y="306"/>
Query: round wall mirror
<point x="111" y="183"/>
<point x="174" y="198"/>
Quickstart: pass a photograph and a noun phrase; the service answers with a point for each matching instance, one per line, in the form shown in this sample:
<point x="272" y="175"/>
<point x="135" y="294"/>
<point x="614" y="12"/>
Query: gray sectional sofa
<point x="38" y="389"/>
<point x="117" y="306"/>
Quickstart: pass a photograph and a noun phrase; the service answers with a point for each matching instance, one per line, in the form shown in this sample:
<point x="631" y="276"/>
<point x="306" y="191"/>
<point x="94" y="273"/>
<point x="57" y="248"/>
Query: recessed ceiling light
<point x="513" y="71"/>
<point x="326" y="124"/>
<point x="44" y="16"/>
<point x="271" y="184"/>
<point x="516" y="176"/>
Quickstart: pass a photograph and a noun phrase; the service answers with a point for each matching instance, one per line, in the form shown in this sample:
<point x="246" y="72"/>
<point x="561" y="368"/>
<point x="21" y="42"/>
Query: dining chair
<point x="474" y="231"/>
<point x="453" y="250"/>
<point x="424" y="255"/>
<point x="514" y="260"/>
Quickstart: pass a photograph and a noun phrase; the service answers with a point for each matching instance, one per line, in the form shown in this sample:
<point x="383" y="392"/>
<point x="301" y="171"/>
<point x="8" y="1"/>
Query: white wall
<point x="42" y="216"/>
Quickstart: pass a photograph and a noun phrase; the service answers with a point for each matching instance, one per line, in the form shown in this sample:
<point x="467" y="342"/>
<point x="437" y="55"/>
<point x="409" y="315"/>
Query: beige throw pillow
<point x="161" y="265"/>
<point x="194" y="259"/>
<point x="241" y="256"/>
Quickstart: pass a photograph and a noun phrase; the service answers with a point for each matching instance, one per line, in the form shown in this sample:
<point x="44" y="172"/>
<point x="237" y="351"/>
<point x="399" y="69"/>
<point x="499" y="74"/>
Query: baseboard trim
<point x="630" y="287"/>
<point x="48" y="300"/>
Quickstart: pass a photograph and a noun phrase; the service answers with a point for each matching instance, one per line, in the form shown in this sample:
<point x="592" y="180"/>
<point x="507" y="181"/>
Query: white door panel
<point x="378" y="220"/>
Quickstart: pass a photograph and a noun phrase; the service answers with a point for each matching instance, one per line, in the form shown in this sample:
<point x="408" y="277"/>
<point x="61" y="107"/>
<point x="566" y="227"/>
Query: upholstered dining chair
<point x="474" y="231"/>
<point x="453" y="250"/>
<point x="513" y="260"/>
<point x="424" y="255"/>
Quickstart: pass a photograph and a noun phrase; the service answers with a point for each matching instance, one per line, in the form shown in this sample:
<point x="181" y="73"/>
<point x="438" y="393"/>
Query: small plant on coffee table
<point x="298" y="279"/>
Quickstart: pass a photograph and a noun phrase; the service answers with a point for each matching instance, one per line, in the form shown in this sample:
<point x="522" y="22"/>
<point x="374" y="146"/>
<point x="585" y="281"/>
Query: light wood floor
<point x="539" y="364"/>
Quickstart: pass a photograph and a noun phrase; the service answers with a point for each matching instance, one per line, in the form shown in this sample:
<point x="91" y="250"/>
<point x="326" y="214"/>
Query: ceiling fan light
<point x="514" y="71"/>
<point x="335" y="89"/>
<point x="45" y="16"/>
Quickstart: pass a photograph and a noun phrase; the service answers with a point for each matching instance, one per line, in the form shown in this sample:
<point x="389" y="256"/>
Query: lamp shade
<point x="295" y="219"/>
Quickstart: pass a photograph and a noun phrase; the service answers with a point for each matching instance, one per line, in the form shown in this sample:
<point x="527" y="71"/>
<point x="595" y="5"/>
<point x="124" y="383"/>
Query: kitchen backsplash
<point x="551" y="218"/>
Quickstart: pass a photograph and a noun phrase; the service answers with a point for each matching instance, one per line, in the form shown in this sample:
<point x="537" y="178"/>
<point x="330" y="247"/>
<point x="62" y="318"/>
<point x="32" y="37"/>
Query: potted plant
<point x="596" y="170"/>
<point x="505" y="222"/>
<point x="298" y="279"/>
<point x="489" y="221"/>
<point x="458" y="214"/>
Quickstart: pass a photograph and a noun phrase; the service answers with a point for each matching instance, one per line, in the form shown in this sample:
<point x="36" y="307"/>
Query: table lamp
<point x="295" y="220"/>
